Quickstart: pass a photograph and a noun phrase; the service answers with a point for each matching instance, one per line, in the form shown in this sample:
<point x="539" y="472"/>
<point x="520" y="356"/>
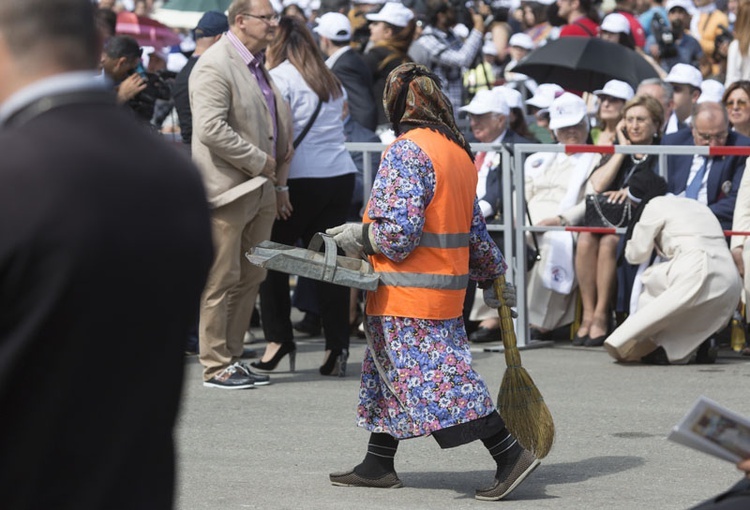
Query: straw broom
<point x="521" y="405"/>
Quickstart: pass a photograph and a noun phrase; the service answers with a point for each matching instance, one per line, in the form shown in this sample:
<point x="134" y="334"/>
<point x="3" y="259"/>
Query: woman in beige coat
<point x="691" y="293"/>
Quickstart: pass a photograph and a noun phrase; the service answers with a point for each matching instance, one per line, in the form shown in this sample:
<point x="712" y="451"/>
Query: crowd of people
<point x="328" y="63"/>
<point x="269" y="96"/>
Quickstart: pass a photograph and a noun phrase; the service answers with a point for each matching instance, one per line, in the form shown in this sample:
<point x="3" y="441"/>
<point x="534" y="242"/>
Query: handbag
<point x="602" y="213"/>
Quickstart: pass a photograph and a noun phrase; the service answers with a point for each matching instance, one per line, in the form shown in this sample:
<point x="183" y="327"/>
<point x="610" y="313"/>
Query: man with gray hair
<point x="712" y="180"/>
<point x="664" y="93"/>
<point x="97" y="252"/>
<point x="241" y="143"/>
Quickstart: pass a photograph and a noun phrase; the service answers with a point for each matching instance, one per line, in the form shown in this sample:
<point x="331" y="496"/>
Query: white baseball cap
<point x="392" y="13"/>
<point x="615" y="23"/>
<point x="685" y="74"/>
<point x="489" y="48"/>
<point x="566" y="110"/>
<point x="618" y="89"/>
<point x="685" y="4"/>
<point x="511" y="95"/>
<point x="545" y="94"/>
<point x="521" y="40"/>
<point x="486" y="101"/>
<point x="334" y="26"/>
<point x="711" y="91"/>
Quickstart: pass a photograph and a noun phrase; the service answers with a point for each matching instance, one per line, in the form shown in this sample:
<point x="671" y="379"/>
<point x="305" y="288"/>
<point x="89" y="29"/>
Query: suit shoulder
<point x="682" y="137"/>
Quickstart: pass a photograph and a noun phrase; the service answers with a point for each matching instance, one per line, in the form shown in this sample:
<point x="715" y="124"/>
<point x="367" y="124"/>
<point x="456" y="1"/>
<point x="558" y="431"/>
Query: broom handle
<point x="512" y="355"/>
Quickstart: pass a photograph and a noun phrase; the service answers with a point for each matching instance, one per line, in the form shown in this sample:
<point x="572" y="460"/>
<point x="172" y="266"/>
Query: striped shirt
<point x="255" y="64"/>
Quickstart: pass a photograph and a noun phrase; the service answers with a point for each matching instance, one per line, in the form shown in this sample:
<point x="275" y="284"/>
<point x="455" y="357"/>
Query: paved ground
<point x="273" y="447"/>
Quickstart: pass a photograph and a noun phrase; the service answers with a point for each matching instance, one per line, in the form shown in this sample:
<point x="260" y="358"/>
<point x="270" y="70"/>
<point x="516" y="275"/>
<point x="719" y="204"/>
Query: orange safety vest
<point x="431" y="282"/>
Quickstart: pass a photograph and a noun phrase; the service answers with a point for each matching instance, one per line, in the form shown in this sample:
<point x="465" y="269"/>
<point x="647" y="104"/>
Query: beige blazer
<point x="232" y="125"/>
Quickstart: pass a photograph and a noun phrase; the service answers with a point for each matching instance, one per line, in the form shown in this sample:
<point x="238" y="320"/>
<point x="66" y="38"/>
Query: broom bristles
<point x="526" y="416"/>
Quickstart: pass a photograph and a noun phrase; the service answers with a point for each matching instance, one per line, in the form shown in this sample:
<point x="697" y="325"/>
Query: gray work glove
<point x="347" y="236"/>
<point x="509" y="295"/>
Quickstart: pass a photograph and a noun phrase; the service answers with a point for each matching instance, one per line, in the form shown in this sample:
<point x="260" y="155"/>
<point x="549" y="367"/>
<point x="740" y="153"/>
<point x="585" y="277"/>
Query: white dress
<point x="689" y="296"/>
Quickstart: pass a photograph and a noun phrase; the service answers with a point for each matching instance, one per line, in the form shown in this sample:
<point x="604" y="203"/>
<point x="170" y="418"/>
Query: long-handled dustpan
<point x="326" y="266"/>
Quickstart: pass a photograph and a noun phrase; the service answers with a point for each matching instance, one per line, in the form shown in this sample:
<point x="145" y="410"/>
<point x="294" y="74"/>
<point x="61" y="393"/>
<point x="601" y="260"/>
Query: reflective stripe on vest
<point x="425" y="280"/>
<point x="430" y="240"/>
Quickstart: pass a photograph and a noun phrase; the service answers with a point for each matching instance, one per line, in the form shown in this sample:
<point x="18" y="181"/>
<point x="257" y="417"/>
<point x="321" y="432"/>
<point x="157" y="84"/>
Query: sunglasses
<point x="739" y="103"/>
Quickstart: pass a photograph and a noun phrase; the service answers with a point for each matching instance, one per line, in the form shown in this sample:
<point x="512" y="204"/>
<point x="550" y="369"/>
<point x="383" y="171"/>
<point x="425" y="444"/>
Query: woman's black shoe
<point x="484" y="335"/>
<point x="596" y="341"/>
<point x="289" y="348"/>
<point x="335" y="363"/>
<point x="580" y="340"/>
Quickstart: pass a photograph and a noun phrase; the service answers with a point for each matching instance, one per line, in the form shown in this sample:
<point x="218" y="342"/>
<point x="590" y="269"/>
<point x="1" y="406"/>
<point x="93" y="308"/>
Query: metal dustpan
<point x="311" y="263"/>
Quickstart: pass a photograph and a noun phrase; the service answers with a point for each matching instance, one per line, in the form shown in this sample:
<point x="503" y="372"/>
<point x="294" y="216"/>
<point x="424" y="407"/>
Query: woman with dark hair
<point x="535" y="22"/>
<point x="691" y="291"/>
<point x="391" y="34"/>
<point x="737" y="101"/>
<point x="596" y="260"/>
<point x="426" y="236"/>
<point x="313" y="196"/>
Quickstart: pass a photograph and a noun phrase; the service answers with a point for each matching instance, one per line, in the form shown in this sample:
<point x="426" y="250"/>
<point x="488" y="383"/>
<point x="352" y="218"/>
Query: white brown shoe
<point x="512" y="477"/>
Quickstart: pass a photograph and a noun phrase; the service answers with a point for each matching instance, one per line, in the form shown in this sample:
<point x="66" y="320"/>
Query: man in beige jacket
<point x="241" y="139"/>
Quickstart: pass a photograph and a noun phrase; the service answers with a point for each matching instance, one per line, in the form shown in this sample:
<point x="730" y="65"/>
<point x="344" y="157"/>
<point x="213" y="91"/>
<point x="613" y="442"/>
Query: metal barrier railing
<point x="514" y="232"/>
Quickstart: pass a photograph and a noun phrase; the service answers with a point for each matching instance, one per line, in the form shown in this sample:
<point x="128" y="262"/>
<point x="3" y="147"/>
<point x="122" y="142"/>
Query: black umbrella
<point x="585" y="63"/>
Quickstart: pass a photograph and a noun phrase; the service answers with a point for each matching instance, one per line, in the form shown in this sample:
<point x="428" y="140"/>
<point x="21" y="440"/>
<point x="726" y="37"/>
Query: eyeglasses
<point x="268" y="18"/>
<point x="707" y="137"/>
<point x="739" y="103"/>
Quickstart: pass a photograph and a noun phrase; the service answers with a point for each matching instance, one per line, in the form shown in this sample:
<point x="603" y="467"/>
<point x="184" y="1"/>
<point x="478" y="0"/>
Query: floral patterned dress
<point x="417" y="376"/>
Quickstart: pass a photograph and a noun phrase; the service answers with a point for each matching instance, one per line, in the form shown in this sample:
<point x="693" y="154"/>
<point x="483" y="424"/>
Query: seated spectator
<point x="611" y="100"/>
<point x="442" y="51"/>
<point x="683" y="47"/>
<point x="664" y="93"/>
<point x="539" y="107"/>
<point x="736" y="100"/>
<point x="686" y="81"/>
<point x="554" y="189"/>
<point x="615" y="28"/>
<point x="488" y="117"/>
<point x="692" y="290"/>
<point x="517" y="117"/>
<point x="596" y="254"/>
<point x="713" y="181"/>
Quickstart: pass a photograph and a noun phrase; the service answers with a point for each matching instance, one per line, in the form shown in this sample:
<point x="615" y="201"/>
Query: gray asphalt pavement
<point x="273" y="447"/>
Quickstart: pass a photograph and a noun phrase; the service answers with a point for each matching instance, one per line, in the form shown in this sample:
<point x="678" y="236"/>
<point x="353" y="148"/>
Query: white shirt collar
<point x="331" y="61"/>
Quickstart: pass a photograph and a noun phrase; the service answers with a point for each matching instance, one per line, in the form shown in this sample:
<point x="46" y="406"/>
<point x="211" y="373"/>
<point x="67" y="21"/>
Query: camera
<point x="664" y="36"/>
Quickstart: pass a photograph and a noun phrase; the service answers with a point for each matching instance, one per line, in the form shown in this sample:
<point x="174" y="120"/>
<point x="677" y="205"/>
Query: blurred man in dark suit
<point x="105" y="245"/>
<point x="335" y="33"/>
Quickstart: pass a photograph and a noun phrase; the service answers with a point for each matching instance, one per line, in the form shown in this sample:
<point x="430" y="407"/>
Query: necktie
<point x="695" y="185"/>
<point x="479" y="160"/>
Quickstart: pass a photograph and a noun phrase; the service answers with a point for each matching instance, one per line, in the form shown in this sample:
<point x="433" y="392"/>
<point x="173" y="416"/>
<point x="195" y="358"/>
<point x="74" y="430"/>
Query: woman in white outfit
<point x="691" y="293"/>
<point x="555" y="187"/>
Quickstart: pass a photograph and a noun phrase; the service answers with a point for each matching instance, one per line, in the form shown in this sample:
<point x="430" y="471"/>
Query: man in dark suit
<point x="105" y="245"/>
<point x="488" y="118"/>
<point x="714" y="180"/>
<point x="335" y="34"/>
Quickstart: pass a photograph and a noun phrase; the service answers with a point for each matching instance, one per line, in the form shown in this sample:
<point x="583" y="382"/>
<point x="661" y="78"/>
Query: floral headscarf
<point x="412" y="96"/>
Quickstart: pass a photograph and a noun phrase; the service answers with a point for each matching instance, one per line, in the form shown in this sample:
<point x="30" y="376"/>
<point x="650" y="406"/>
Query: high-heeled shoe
<point x="289" y="348"/>
<point x="335" y="363"/>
